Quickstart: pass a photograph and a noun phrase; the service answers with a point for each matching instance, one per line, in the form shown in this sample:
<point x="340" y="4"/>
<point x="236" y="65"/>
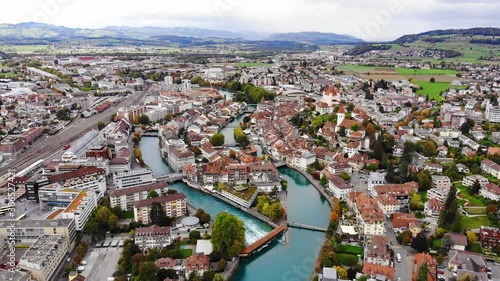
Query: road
<point x="403" y="267"/>
<point x="48" y="146"/>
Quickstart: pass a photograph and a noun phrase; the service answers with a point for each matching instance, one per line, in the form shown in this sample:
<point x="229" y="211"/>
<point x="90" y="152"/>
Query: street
<point x="403" y="267"/>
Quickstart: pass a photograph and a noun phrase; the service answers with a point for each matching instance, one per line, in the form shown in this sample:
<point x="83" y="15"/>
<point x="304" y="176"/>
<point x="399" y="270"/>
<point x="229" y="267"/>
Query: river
<point x="291" y="257"/>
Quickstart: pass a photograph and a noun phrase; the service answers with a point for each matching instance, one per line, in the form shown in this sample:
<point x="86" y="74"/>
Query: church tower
<point x="340" y="115"/>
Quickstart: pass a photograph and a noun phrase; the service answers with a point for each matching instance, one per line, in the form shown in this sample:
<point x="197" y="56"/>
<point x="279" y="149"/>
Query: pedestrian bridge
<point x="305" y="226"/>
<point x="170" y="177"/>
<point x="257" y="245"/>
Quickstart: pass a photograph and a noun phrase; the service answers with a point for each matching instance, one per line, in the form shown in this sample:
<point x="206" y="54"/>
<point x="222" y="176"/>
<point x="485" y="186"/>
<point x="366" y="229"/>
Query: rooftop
<point x="41" y="250"/>
<point x="245" y="194"/>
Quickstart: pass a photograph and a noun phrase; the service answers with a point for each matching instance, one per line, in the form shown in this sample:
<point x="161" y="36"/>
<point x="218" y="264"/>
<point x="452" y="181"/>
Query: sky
<point x="371" y="20"/>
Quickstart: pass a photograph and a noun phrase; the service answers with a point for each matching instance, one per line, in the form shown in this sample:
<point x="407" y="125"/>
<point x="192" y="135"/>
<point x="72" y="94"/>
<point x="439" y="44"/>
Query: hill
<point x="483" y="31"/>
<point x="318" y="38"/>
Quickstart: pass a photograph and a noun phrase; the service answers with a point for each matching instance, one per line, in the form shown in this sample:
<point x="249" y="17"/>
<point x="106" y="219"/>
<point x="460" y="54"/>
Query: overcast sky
<point x="366" y="19"/>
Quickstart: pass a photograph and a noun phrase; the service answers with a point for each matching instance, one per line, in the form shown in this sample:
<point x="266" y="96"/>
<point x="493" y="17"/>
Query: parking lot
<point x="101" y="263"/>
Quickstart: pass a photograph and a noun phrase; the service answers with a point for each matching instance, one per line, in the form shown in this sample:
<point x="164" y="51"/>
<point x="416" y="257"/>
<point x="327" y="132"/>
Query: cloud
<point x="365" y="18"/>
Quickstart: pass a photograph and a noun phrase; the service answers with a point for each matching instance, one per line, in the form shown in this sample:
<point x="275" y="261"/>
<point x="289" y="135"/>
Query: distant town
<point x="343" y="162"/>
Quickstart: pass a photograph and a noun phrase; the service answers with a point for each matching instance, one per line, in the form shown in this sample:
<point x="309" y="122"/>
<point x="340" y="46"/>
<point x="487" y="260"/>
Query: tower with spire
<point x="340" y="116"/>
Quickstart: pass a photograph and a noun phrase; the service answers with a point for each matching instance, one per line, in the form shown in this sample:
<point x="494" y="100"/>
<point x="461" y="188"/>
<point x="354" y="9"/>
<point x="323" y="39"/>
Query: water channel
<point x="293" y="256"/>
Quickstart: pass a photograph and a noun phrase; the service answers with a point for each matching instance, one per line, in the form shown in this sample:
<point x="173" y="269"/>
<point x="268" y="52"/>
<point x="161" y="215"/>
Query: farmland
<point x="253" y="64"/>
<point x="406" y="71"/>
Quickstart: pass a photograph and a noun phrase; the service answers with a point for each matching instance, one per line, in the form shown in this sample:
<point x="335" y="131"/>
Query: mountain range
<point x="11" y="33"/>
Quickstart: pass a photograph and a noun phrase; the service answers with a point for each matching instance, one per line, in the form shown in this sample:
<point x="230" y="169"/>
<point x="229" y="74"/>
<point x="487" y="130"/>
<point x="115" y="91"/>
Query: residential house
<point x="198" y="264"/>
<point x="375" y="270"/>
<point x="490" y="191"/>
<point x="174" y="205"/>
<point x="463" y="263"/>
<point x="433" y="208"/>
<point x="457" y="240"/>
<point x="434" y="168"/>
<point x="399" y="191"/>
<point x="440" y="194"/>
<point x="418" y="260"/>
<point x="388" y="204"/>
<point x="402" y="222"/>
<point x="440" y="182"/>
<point x="339" y="187"/>
<point x="377" y="251"/>
<point x="369" y="216"/>
<point x="470" y="180"/>
<point x="178" y="157"/>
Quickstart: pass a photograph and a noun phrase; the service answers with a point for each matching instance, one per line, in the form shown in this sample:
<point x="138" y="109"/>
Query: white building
<point x="375" y="179"/>
<point x="178" y="157"/>
<point x="470" y="180"/>
<point x="237" y="195"/>
<point x="133" y="178"/>
<point x="441" y="182"/>
<point x="125" y="197"/>
<point x="174" y="205"/>
<point x="80" y="209"/>
<point x="186" y="85"/>
<point x="152" y="237"/>
<point x="388" y="204"/>
<point x="339" y="187"/>
<point x="44" y="256"/>
<point x="492" y="113"/>
<point x="438" y="193"/>
<point x="169" y="80"/>
<point x="490" y="191"/>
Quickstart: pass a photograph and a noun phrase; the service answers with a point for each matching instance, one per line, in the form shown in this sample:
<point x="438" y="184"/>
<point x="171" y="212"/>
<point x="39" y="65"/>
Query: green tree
<point x="144" y="120"/>
<point x="355" y="128"/>
<point x="429" y="148"/>
<point x="423" y="272"/>
<point x="240" y="136"/>
<point x="218" y="277"/>
<point x="420" y="242"/>
<point x="390" y="175"/>
<point x="158" y="216"/>
<point x="221" y="265"/>
<point x="100" y="125"/>
<point x="148" y="271"/>
<point x="194" y="236"/>
<point x="323" y="180"/>
<point x="208" y="275"/>
<point x="228" y="234"/>
<point x="205" y="218"/>
<point x="345" y="176"/>
<point x="217" y="139"/>
<point x="424" y="179"/>
<point x="152" y="194"/>
<point x="474" y="189"/>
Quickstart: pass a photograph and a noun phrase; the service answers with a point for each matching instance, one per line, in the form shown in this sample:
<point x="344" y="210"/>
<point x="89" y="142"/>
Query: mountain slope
<point x="485" y="31"/>
<point x="315" y="38"/>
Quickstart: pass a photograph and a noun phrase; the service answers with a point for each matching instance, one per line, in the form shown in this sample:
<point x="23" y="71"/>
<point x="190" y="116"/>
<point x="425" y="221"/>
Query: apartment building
<point x="369" y="216"/>
<point x="339" y="187"/>
<point x="178" y="157"/>
<point x="125" y="198"/>
<point x="440" y="182"/>
<point x="174" y="205"/>
<point x="388" y="204"/>
<point x="489" y="237"/>
<point x="44" y="256"/>
<point x="241" y="195"/>
<point x="470" y="180"/>
<point x="492" y="113"/>
<point x="490" y="191"/>
<point x="401" y="192"/>
<point x="81" y="209"/>
<point x="377" y="251"/>
<point x="440" y="194"/>
<point x="28" y="231"/>
<point x="433" y="208"/>
<point x="152" y="237"/>
<point x="418" y="261"/>
<point x="133" y="178"/>
<point x="84" y="178"/>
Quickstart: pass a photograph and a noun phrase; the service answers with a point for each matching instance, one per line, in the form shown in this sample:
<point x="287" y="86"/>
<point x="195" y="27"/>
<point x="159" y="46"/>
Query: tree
<point x="148" y="271"/>
<point x="228" y="234"/>
<point x="424" y="179"/>
<point x="158" y="216"/>
<point x="100" y="125"/>
<point x="323" y="180"/>
<point x="205" y="218"/>
<point x="345" y="176"/>
<point x="420" y="242"/>
<point x="390" y="175"/>
<point x="474" y="189"/>
<point x="355" y="128"/>
<point x="423" y="272"/>
<point x="152" y="194"/>
<point x="218" y="277"/>
<point x="471" y="237"/>
<point x="432" y="80"/>
<point x="341" y="272"/>
<point x="416" y="202"/>
<point x="221" y="265"/>
<point x="217" y="139"/>
<point x="167" y="273"/>
<point x="194" y="236"/>
<point x="144" y="119"/>
<point x="275" y="211"/>
<point x="429" y="148"/>
<point x="491" y="208"/>
<point x="370" y="129"/>
<point x="240" y="136"/>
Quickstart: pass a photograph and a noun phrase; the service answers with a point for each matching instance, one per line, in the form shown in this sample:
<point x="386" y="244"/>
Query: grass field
<point x="475" y="222"/>
<point x="406" y="71"/>
<point x="24" y="49"/>
<point x="356" y="68"/>
<point x="253" y="64"/>
<point x="347" y="259"/>
<point x="349" y="249"/>
<point x="433" y="90"/>
<point x="475" y="211"/>
<point x="127" y="215"/>
<point x="475" y="247"/>
<point x="473" y="200"/>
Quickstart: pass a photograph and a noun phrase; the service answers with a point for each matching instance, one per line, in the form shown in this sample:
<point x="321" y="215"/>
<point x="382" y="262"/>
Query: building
<point x="402" y="222"/>
<point x="433" y="208"/>
<point x="133" y="178"/>
<point x="168" y="263"/>
<point x="198" y="264"/>
<point x="377" y="251"/>
<point x="401" y="192"/>
<point x="376" y="179"/>
<point x="328" y="274"/>
<point x="434" y="168"/>
<point x="83" y="178"/>
<point x="458" y="241"/>
<point x="240" y="194"/>
<point x="492" y="113"/>
<point x="44" y="256"/>
<point x="388" y="204"/>
<point x="339" y="187"/>
<point x="152" y="237"/>
<point x="490" y="238"/>
<point x="174" y="205"/>
<point x="28" y="231"/>
<point x="178" y="157"/>
<point x="369" y="216"/>
<point x="470" y="180"/>
<point x="490" y="191"/>
<point x="379" y="271"/>
<point x="441" y="182"/>
<point x="15" y="275"/>
<point x="440" y="194"/>
<point x="81" y="209"/>
<point x="125" y="198"/>
<point x="418" y="261"/>
<point x="463" y="263"/>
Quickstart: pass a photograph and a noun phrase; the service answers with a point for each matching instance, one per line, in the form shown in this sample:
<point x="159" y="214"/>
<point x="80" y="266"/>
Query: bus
<point x="21" y="217"/>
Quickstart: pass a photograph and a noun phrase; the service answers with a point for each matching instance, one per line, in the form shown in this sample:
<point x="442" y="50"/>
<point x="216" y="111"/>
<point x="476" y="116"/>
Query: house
<point x="401" y="192"/>
<point x="463" y="263"/>
<point x="376" y="178"/>
<point x="374" y="270"/>
<point x="440" y="182"/>
<point x="433" y="208"/>
<point x="402" y="222"/>
<point x="369" y="216"/>
<point x="328" y="274"/>
<point x="434" y="168"/>
<point x="377" y="252"/>
<point x="168" y="263"/>
<point x="339" y="187"/>
<point x="418" y="260"/>
<point x="388" y="203"/>
<point x="198" y="264"/>
<point x="462" y="168"/>
<point x="440" y="194"/>
<point x="470" y="180"/>
<point x="490" y="167"/>
<point x="490" y="191"/>
<point x="490" y="238"/>
<point x="458" y="241"/>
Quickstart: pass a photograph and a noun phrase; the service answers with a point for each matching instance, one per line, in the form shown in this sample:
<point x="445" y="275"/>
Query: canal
<point x="293" y="256"/>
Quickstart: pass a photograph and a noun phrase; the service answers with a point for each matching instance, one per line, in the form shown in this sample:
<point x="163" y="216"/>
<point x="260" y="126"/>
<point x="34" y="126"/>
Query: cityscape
<point x="322" y="141"/>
